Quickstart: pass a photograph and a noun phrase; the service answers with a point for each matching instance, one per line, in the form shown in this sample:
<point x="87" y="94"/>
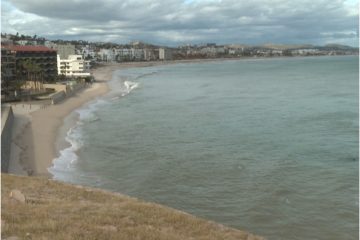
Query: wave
<point x="88" y="114"/>
<point x="64" y="164"/>
<point x="129" y="86"/>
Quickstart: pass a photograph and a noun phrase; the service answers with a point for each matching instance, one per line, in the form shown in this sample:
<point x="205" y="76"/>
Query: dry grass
<point x="56" y="210"/>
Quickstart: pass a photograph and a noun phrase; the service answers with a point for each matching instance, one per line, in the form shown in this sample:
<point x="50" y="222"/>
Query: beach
<point x="37" y="125"/>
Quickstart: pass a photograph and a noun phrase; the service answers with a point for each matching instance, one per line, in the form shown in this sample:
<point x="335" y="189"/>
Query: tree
<point x="34" y="72"/>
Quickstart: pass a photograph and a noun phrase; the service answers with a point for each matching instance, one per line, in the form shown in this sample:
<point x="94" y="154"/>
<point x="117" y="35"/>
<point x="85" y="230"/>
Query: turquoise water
<point x="264" y="145"/>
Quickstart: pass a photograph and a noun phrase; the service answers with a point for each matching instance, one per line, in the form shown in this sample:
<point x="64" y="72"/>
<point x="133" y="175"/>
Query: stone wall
<point x="57" y="87"/>
<point x="57" y="97"/>
<point x="7" y="120"/>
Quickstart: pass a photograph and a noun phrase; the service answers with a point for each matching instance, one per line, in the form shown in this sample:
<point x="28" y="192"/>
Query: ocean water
<point x="264" y="145"/>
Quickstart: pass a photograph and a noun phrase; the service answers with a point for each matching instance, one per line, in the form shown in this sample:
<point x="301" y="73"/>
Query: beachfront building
<point x="151" y="54"/>
<point x="209" y="51"/>
<point x="8" y="77"/>
<point x="277" y="52"/>
<point x="129" y="54"/>
<point x="303" y="52"/>
<point x="165" y="54"/>
<point x="87" y="52"/>
<point x="42" y="57"/>
<point x="123" y="54"/>
<point x="137" y="54"/>
<point x="73" y="66"/>
<point x="106" y="55"/>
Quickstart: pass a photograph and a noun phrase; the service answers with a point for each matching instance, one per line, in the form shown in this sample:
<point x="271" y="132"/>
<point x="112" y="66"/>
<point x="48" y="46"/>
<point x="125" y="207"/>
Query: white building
<point x="50" y="44"/>
<point x="123" y="54"/>
<point x="305" y="51"/>
<point x="106" y="55"/>
<point x="137" y="54"/>
<point x="74" y="66"/>
<point x="165" y="54"/>
<point x="149" y="54"/>
<point x="26" y="42"/>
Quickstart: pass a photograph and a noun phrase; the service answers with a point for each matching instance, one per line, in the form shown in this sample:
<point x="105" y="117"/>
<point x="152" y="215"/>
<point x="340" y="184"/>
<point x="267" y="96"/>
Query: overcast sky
<point x="177" y="22"/>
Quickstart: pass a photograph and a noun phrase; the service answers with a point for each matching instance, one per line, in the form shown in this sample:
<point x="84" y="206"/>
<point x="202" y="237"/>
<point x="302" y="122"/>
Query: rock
<point x="17" y="195"/>
<point x="28" y="236"/>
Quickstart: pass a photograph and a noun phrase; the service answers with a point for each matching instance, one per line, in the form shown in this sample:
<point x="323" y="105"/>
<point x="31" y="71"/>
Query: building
<point x="106" y="55"/>
<point x="44" y="58"/>
<point x="87" y="52"/>
<point x="123" y="54"/>
<point x="6" y="40"/>
<point x="49" y="44"/>
<point x="64" y="50"/>
<point x="73" y="66"/>
<point x="150" y="54"/>
<point x="27" y="42"/>
<point x="137" y="54"/>
<point x="165" y="54"/>
<point x="8" y="69"/>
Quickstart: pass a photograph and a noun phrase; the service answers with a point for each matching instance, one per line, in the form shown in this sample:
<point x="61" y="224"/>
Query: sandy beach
<point x="36" y="126"/>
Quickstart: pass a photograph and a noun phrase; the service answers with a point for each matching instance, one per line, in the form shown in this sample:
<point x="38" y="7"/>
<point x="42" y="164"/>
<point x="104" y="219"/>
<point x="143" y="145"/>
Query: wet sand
<point x="36" y="126"/>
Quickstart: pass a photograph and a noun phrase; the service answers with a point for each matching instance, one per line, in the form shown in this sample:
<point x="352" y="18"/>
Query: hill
<point x="37" y="208"/>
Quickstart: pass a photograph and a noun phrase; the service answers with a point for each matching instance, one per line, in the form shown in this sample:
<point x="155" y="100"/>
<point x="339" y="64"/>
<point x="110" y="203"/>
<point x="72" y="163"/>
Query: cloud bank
<point x="174" y="22"/>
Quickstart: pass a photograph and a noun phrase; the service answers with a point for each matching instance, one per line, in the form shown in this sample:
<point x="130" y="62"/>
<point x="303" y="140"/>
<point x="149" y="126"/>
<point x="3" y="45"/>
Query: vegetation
<point x="34" y="73"/>
<point x="54" y="210"/>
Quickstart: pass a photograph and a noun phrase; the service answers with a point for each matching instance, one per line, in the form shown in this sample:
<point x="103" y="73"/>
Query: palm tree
<point x="34" y="71"/>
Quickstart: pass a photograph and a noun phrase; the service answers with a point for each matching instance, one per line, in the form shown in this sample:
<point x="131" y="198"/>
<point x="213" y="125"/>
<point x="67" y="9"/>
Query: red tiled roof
<point x="29" y="48"/>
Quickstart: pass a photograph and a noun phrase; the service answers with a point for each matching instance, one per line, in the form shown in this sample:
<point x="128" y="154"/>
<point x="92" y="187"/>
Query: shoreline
<point x="35" y="138"/>
<point x="36" y="132"/>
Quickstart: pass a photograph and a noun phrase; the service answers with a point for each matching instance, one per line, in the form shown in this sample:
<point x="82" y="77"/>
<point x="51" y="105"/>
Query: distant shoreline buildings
<point x="25" y="57"/>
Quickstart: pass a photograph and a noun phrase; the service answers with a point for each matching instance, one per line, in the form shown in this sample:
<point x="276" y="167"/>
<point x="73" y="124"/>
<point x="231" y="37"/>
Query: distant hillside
<point x="285" y="46"/>
<point x="46" y="209"/>
<point x="338" y="46"/>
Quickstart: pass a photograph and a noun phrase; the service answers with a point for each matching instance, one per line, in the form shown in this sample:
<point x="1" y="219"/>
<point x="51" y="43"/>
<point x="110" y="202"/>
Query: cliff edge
<point x="37" y="208"/>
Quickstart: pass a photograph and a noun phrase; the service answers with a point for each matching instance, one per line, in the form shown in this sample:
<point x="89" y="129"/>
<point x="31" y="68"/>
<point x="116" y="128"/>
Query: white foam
<point x="129" y="86"/>
<point x="87" y="114"/>
<point x="67" y="158"/>
<point x="65" y="163"/>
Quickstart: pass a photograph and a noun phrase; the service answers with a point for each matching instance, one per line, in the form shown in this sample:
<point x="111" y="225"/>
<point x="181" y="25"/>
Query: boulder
<point x="17" y="195"/>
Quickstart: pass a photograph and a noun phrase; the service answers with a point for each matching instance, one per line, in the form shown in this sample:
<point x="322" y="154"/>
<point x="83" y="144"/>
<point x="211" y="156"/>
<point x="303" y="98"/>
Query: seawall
<point x="7" y="121"/>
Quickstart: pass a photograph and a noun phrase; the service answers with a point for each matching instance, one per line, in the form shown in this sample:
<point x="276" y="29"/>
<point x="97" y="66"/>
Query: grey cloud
<point x="174" y="21"/>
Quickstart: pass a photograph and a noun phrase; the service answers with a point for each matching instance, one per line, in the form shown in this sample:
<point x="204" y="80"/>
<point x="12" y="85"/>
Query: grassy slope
<point x="56" y="210"/>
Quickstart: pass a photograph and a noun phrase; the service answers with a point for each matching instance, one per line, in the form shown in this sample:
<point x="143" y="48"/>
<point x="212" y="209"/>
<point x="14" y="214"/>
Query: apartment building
<point x="106" y="55"/>
<point x="73" y="66"/>
<point x="43" y="57"/>
<point x="165" y="54"/>
<point x="8" y="62"/>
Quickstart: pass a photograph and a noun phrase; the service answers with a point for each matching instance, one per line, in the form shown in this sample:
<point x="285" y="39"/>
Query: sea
<point x="269" y="146"/>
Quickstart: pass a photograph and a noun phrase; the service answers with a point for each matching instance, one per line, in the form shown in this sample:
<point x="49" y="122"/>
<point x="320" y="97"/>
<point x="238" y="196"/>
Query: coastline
<point x="36" y="133"/>
<point x="37" y="128"/>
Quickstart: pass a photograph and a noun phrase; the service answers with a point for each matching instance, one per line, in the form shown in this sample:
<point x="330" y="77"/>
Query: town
<point x="30" y="63"/>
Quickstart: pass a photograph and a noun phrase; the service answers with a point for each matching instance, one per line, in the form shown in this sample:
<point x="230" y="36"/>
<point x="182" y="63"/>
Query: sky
<point x="179" y="22"/>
